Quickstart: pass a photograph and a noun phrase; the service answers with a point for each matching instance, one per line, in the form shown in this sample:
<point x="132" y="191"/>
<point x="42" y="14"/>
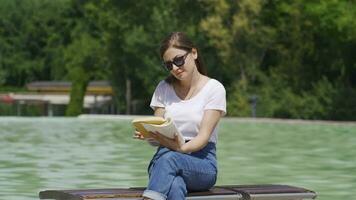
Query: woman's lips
<point x="178" y="73"/>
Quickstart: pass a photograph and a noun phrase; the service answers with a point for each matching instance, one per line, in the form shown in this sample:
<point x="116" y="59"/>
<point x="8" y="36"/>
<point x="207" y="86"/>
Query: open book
<point x="152" y="124"/>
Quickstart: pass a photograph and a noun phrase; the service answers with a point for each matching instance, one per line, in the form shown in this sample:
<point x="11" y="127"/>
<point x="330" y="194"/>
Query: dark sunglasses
<point x="177" y="61"/>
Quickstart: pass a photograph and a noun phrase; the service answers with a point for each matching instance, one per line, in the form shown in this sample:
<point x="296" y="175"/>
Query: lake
<point x="76" y="153"/>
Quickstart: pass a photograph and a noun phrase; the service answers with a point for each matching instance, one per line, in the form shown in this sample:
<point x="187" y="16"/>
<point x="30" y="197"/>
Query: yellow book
<point x="152" y="124"/>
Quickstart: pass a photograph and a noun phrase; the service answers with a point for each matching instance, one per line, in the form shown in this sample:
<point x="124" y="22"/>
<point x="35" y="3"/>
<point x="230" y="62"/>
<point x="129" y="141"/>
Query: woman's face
<point x="174" y="55"/>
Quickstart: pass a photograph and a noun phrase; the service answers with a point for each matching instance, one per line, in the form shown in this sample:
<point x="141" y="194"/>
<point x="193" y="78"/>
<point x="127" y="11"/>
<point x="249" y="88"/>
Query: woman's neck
<point x="193" y="80"/>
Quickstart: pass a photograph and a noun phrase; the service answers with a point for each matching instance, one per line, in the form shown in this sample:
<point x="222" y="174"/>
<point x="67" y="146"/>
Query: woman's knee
<point x="170" y="158"/>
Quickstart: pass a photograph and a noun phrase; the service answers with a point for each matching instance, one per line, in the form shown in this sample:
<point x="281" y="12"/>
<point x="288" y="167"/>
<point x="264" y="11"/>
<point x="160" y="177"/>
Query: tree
<point x="235" y="29"/>
<point x="30" y="48"/>
<point x="132" y="33"/>
<point x="84" y="56"/>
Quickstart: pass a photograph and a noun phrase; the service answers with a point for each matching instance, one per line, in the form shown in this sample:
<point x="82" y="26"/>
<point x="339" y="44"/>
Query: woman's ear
<point x="195" y="53"/>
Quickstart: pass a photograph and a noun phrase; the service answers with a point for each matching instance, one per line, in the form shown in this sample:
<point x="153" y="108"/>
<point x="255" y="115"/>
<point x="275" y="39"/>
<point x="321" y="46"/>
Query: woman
<point x="196" y="103"/>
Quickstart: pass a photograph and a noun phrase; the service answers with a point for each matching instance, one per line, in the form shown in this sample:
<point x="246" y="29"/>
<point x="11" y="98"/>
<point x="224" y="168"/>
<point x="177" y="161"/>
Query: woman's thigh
<point x="198" y="173"/>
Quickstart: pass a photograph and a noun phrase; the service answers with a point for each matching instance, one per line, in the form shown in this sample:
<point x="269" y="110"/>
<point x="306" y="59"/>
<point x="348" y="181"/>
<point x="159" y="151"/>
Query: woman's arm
<point x="208" y="123"/>
<point x="159" y="112"/>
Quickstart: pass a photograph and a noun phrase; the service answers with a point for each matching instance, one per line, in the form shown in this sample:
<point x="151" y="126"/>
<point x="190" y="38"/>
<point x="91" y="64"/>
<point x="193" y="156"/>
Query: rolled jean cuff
<point x="154" y="195"/>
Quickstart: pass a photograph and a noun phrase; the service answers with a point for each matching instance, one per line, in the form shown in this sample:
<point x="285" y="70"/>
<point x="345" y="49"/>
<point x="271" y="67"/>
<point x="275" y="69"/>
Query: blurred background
<point x="283" y="59"/>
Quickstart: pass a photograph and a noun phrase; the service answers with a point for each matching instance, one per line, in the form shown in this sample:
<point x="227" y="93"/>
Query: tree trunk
<point x="77" y="92"/>
<point x="128" y="96"/>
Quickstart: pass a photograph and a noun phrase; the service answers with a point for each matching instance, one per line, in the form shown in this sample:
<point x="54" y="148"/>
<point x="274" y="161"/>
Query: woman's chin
<point x="180" y="76"/>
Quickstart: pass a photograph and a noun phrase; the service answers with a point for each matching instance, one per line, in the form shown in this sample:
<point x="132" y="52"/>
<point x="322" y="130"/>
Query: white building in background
<point x="52" y="95"/>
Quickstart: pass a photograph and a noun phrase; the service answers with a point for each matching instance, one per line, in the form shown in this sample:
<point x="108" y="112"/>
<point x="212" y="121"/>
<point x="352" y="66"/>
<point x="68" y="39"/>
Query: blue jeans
<point x="173" y="174"/>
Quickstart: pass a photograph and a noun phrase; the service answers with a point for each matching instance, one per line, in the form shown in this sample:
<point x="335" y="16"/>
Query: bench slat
<point x="237" y="192"/>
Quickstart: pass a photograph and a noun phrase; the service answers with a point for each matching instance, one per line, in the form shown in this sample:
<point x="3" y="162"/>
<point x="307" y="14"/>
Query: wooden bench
<point x="229" y="192"/>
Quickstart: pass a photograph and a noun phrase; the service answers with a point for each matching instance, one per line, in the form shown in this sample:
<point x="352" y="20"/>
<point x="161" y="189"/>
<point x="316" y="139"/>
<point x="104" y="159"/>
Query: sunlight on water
<point x="69" y="153"/>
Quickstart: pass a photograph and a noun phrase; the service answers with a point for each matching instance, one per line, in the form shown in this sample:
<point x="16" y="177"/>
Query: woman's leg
<point x="196" y="174"/>
<point x="178" y="189"/>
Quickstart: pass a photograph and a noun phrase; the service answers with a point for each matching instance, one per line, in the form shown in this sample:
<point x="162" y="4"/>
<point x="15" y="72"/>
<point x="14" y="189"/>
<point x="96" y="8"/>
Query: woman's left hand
<point x="173" y="144"/>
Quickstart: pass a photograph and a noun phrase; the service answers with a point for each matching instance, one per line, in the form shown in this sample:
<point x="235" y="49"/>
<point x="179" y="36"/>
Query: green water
<point x="70" y="153"/>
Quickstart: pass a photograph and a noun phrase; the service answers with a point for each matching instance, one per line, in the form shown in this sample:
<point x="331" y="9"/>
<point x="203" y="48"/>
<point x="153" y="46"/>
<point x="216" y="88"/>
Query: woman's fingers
<point x="156" y="135"/>
<point x="178" y="140"/>
<point x="138" y="135"/>
<point x="165" y="141"/>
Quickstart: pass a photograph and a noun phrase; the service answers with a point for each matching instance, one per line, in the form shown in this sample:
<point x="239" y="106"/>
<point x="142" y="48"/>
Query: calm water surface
<point x="70" y="153"/>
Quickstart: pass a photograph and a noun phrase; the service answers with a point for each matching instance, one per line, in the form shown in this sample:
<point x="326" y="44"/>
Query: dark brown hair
<point x="180" y="40"/>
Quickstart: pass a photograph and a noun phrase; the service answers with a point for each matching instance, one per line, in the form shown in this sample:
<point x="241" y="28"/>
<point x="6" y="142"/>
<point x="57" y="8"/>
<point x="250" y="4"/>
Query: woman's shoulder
<point x="216" y="84"/>
<point x="162" y="86"/>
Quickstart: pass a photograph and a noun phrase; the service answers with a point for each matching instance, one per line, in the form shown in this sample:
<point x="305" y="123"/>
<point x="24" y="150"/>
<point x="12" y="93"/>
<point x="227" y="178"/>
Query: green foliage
<point x="6" y="109"/>
<point x="83" y="56"/>
<point x="20" y="110"/>
<point x="28" y="49"/>
<point x="132" y="32"/>
<point x="297" y="56"/>
<point x="238" y="99"/>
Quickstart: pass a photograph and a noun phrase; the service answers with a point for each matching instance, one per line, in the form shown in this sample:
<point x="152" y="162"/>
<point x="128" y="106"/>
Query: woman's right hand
<point x="138" y="135"/>
<point x="150" y="140"/>
<point x="173" y="144"/>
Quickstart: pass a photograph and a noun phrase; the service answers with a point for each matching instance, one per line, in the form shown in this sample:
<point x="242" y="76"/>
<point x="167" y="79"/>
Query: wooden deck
<point x="230" y="192"/>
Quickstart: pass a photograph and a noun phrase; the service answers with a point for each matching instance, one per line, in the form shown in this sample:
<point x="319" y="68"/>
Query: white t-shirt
<point x="188" y="114"/>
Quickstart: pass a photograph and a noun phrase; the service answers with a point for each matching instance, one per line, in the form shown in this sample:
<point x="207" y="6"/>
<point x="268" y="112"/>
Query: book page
<point x="157" y="124"/>
<point x="168" y="131"/>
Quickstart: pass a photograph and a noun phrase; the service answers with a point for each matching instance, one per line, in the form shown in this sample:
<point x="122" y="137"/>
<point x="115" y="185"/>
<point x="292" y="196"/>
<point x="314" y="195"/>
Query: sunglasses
<point x="177" y="61"/>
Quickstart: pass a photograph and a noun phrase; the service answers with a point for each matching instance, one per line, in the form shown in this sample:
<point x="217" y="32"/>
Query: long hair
<point x="180" y="40"/>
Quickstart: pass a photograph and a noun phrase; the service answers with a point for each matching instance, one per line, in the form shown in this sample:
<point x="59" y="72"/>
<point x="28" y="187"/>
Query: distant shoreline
<point x="237" y="119"/>
<point x="228" y="119"/>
